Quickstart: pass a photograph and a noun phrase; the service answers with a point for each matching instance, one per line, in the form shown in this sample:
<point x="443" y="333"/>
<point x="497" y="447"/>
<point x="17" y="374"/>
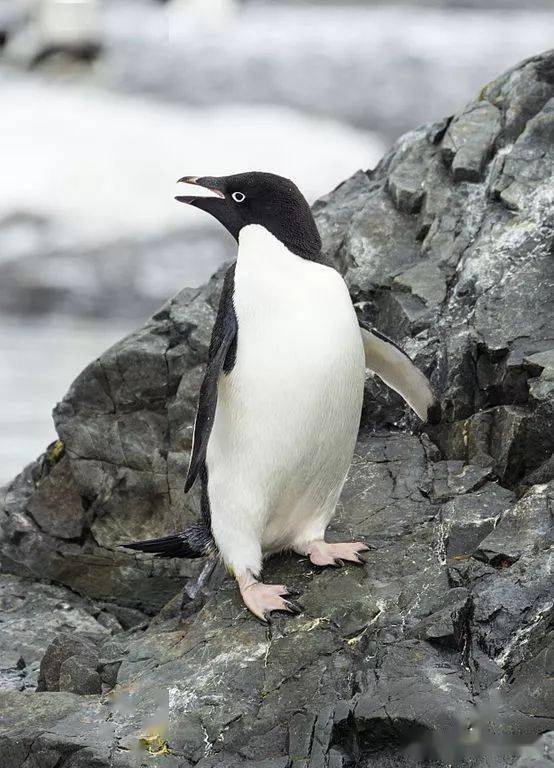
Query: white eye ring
<point x="238" y="197"/>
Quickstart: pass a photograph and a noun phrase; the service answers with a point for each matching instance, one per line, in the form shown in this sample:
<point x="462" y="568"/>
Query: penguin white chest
<point x="288" y="413"/>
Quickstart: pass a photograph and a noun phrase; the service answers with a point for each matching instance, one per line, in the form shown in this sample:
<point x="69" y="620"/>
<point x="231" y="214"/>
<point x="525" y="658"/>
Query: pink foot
<point x="262" y="599"/>
<point x="321" y="553"/>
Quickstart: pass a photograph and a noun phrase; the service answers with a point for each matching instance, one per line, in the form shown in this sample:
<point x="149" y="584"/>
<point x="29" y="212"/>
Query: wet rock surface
<point x="439" y="648"/>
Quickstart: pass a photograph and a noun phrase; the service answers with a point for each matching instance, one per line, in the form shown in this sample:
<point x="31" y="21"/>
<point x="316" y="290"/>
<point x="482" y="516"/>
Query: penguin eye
<point x="238" y="197"/>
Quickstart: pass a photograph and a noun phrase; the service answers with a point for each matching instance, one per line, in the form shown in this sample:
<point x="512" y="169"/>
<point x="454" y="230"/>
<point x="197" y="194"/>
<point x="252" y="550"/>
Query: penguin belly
<point x="288" y="413"/>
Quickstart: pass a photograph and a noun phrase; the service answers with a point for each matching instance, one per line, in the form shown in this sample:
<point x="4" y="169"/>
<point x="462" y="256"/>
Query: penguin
<point x="280" y="404"/>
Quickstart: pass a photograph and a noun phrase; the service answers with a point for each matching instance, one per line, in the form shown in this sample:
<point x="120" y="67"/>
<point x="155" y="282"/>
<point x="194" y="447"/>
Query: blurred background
<point x="105" y="103"/>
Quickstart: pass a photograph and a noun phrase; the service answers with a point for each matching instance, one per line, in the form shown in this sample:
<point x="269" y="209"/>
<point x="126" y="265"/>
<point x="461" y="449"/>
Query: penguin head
<point x="265" y="199"/>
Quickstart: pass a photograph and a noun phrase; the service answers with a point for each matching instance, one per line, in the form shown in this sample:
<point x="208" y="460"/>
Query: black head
<point x="260" y="198"/>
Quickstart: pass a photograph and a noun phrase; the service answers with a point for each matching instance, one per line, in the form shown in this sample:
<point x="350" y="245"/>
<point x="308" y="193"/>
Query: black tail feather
<point x="196" y="541"/>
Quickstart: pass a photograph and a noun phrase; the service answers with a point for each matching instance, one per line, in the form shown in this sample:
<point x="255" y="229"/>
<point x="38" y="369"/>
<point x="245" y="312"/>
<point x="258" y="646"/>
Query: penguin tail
<point x="196" y="541"/>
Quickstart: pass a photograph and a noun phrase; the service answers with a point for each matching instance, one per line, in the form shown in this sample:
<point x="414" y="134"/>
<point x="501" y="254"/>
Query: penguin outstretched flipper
<point x="396" y="369"/>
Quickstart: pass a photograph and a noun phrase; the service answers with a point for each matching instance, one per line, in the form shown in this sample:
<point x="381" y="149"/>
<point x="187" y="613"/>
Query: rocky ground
<point x="439" y="649"/>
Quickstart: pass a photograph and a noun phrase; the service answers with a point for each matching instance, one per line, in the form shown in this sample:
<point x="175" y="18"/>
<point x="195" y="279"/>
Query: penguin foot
<point x="322" y="553"/>
<point x="261" y="599"/>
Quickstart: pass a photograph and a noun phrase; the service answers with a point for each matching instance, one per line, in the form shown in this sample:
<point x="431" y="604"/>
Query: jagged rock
<point x="529" y="526"/>
<point x="435" y="649"/>
<point x="77" y="675"/>
<point x="32" y="614"/>
<point x="450" y="478"/>
<point x="469" y="140"/>
<point x="82" y="654"/>
<point x="125" y="472"/>
<point x="466" y="519"/>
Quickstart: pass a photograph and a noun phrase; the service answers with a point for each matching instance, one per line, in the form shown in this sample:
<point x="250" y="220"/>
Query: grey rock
<point x="407" y="174"/>
<point x="436" y="649"/>
<point x="56" y="506"/>
<point x="65" y="648"/>
<point x="467" y="519"/>
<point x="32" y="614"/>
<point x="469" y="140"/>
<point x="451" y="478"/>
<point x="525" y="168"/>
<point x="540" y="755"/>
<point x="114" y="480"/>
<point x="77" y="675"/>
<point x="527" y="527"/>
<point x="426" y="281"/>
<point x="333" y="221"/>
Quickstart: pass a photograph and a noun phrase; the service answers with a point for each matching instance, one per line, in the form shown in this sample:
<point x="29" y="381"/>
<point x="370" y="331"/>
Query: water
<point x="38" y="361"/>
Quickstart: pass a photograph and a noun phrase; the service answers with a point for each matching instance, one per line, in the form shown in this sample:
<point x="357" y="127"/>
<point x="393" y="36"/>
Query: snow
<point x="385" y="66"/>
<point x="103" y="166"/>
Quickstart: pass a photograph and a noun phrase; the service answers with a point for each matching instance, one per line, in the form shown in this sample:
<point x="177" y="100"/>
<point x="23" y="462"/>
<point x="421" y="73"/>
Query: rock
<point x="66" y="648"/>
<point x="56" y="506"/>
<point x="133" y="463"/>
<point x="32" y="614"/>
<point x="466" y="519"/>
<point x="469" y="140"/>
<point x="333" y="221"/>
<point x="78" y="676"/>
<point x="540" y="755"/>
<point x="450" y="478"/>
<point x="523" y="169"/>
<point x="425" y="281"/>
<point x="435" y="649"/>
<point x="525" y="528"/>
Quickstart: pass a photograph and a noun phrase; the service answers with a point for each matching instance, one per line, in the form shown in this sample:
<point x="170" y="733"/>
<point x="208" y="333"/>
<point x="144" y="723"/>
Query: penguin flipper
<point x="396" y="369"/>
<point x="221" y="359"/>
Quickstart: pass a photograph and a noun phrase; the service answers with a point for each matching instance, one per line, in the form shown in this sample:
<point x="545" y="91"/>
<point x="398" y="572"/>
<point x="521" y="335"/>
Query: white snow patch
<point x="373" y="63"/>
<point x="104" y="166"/>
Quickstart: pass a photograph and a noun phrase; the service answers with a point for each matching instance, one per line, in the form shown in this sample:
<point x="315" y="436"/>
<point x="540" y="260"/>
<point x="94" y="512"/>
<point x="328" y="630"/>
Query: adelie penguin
<point x="280" y="404"/>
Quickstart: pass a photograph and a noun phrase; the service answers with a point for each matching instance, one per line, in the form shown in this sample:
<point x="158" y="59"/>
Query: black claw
<point x="266" y="619"/>
<point x="293" y="592"/>
<point x="360" y="559"/>
<point x="293" y="607"/>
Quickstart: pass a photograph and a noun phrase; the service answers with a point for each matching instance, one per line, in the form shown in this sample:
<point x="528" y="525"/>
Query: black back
<point x="221" y="358"/>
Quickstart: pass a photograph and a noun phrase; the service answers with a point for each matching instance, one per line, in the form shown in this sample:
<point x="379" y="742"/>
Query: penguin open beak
<point x="214" y="200"/>
<point x="209" y="184"/>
